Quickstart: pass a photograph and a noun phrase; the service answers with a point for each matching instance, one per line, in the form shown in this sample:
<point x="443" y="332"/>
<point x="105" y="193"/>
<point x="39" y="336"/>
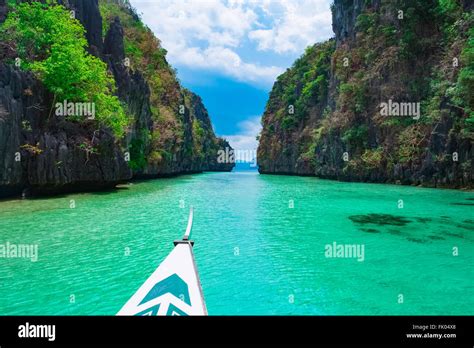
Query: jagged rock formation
<point x="40" y="153"/>
<point x="324" y="115"/>
<point x="87" y="12"/>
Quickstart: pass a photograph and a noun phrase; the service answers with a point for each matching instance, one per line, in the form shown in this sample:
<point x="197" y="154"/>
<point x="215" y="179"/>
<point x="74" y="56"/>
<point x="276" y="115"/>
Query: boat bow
<point x="174" y="288"/>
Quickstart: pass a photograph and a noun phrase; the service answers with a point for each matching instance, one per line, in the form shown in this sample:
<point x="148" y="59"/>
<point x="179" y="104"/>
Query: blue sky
<point x="231" y="51"/>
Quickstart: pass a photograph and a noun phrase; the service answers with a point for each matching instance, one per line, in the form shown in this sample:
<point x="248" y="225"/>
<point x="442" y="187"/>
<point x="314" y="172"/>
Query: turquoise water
<point x="255" y="254"/>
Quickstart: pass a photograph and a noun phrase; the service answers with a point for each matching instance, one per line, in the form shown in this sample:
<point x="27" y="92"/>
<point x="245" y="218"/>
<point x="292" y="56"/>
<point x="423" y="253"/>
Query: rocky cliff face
<point x="172" y="132"/>
<point x="3" y="10"/>
<point x="40" y="153"/>
<point x="43" y="154"/>
<point x="87" y="12"/>
<point x="324" y="116"/>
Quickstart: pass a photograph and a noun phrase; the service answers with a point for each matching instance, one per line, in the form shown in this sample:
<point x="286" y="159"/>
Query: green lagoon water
<point x="255" y="254"/>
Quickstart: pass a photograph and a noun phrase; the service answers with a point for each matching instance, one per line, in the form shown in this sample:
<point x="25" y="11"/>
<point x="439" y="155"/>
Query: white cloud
<point x="228" y="62"/>
<point x="208" y="34"/>
<point x="246" y="137"/>
<point x="296" y="25"/>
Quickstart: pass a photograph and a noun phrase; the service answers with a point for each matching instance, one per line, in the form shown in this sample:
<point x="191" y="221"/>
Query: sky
<point x="230" y="52"/>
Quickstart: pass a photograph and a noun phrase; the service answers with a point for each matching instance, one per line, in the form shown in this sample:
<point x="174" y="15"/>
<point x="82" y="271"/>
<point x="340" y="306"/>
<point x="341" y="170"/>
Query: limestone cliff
<point x="324" y="116"/>
<point x="40" y="153"/>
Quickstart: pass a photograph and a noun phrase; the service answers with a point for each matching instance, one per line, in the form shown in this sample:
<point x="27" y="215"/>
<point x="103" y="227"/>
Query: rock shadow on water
<point x="110" y="191"/>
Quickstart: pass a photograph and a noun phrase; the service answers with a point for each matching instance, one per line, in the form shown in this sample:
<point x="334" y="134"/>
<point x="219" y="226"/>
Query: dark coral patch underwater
<point x="380" y="219"/>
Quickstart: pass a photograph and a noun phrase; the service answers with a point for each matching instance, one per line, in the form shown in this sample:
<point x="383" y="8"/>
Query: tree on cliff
<point x="51" y="43"/>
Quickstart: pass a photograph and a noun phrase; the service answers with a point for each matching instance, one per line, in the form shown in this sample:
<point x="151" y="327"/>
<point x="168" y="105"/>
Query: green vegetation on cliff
<point x="303" y="86"/>
<point x="52" y="45"/>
